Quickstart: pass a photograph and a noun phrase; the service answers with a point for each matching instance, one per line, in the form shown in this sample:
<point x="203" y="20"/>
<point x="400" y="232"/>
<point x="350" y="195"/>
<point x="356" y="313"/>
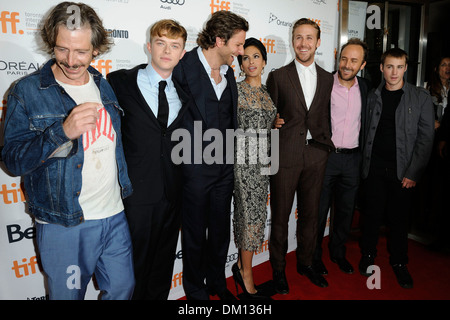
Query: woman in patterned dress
<point x="256" y="114"/>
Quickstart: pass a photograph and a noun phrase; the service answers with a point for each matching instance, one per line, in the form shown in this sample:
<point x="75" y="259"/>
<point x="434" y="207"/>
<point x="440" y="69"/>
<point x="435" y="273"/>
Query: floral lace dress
<point x="256" y="113"/>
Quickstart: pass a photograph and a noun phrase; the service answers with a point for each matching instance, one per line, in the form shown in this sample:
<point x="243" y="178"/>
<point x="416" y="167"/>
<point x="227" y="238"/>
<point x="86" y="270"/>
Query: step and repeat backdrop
<point x="129" y="22"/>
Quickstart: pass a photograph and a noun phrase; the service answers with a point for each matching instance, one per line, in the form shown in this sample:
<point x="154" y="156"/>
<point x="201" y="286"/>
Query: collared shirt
<point x="219" y="88"/>
<point x="148" y="82"/>
<point x="345" y="114"/>
<point x="308" y="80"/>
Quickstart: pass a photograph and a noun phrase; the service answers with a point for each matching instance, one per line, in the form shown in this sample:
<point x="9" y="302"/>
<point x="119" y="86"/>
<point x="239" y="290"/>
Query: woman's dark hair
<point x="435" y="84"/>
<point x="255" y="43"/>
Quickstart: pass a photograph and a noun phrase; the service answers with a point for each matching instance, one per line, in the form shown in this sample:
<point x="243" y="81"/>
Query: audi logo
<point x="178" y="2"/>
<point x="232" y="257"/>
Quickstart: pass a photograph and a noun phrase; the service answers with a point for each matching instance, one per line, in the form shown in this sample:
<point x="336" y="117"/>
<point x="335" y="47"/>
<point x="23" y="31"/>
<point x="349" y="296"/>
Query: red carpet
<point x="429" y="270"/>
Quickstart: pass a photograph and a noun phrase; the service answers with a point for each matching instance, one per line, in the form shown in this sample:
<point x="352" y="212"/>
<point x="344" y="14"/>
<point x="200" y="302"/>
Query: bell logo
<point x="102" y="65"/>
<point x="10" y="18"/>
<point x="218" y="5"/>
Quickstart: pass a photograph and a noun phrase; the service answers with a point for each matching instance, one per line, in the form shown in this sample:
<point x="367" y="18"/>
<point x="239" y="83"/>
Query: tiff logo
<point x="6" y="18"/>
<point x="102" y="66"/>
<point x="218" y="5"/>
<point x="24" y="269"/>
<point x="12" y="195"/>
<point x="269" y="44"/>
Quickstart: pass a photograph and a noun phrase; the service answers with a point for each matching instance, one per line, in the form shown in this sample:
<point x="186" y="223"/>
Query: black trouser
<point x="154" y="232"/>
<point x="384" y="197"/>
<point x="340" y="186"/>
<point x="206" y="230"/>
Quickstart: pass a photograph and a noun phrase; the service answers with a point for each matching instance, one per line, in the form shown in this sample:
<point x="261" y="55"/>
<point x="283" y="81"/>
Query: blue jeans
<point x="71" y="255"/>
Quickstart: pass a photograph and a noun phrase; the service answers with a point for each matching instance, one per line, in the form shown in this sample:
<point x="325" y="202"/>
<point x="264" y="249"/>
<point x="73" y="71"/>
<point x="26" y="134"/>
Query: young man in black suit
<point x="153" y="211"/>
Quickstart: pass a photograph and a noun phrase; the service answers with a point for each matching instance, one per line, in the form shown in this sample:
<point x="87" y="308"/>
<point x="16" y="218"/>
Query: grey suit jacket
<point x="414" y="129"/>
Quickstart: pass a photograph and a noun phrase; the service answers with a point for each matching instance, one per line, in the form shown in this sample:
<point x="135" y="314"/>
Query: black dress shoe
<point x="226" y="295"/>
<point x="319" y="267"/>
<point x="364" y="263"/>
<point x="313" y="276"/>
<point x="404" y="279"/>
<point x="280" y="282"/>
<point x="344" y="265"/>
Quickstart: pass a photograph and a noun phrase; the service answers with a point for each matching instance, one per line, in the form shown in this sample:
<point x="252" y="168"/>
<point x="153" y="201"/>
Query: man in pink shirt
<point x="342" y="175"/>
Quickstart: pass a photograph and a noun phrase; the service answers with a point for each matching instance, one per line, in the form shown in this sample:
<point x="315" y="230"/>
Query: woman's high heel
<point x="239" y="281"/>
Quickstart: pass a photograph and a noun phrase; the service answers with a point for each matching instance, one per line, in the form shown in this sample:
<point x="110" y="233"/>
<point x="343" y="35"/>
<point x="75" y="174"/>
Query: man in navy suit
<point x="206" y="74"/>
<point x="153" y="211"/>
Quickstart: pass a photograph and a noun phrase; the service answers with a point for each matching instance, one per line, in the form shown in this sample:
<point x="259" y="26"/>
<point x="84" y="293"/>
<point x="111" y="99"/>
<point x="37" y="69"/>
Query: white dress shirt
<point x="308" y="80"/>
<point x="148" y="82"/>
<point x="219" y="88"/>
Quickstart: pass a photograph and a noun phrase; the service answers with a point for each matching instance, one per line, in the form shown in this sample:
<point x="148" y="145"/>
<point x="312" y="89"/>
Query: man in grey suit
<point x="301" y="92"/>
<point x="398" y="139"/>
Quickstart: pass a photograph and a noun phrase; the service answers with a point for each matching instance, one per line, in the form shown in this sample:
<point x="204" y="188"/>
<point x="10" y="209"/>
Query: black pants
<point x="386" y="201"/>
<point x="340" y="186"/>
<point x="154" y="233"/>
<point x="206" y="230"/>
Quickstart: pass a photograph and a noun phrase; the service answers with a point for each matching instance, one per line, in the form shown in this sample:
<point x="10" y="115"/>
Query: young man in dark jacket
<point x="397" y="145"/>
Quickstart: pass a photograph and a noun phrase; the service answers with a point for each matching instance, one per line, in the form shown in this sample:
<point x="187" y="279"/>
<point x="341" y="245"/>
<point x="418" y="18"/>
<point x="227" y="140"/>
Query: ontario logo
<point x="279" y="22"/>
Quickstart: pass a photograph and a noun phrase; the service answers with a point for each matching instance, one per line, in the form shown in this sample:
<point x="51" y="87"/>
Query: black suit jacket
<point x="192" y="76"/>
<point x="364" y="88"/>
<point x="147" y="147"/>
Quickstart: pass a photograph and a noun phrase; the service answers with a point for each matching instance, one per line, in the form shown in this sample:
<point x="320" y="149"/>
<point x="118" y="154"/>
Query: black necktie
<point x="163" y="105"/>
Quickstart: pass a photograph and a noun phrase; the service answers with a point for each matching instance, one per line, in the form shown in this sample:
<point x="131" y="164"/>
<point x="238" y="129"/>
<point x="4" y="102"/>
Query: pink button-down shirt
<point x="345" y="114"/>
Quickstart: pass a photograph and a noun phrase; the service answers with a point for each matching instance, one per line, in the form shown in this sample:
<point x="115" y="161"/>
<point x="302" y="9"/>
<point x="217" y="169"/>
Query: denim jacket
<point x="37" y="107"/>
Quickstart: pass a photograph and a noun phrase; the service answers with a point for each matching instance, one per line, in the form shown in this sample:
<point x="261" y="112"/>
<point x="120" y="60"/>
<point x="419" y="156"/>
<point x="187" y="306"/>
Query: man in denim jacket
<point x="62" y="134"/>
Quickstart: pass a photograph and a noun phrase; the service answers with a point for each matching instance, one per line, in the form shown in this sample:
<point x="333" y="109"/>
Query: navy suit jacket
<point x="191" y="74"/>
<point x="192" y="77"/>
